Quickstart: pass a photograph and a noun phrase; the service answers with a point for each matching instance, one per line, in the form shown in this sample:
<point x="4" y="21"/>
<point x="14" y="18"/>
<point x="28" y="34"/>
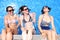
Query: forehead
<point x="25" y="7"/>
<point x="9" y="8"/>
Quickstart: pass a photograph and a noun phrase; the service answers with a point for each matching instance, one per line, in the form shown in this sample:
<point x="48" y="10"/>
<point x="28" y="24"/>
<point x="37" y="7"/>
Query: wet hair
<point x="46" y="7"/>
<point x="22" y="9"/>
<point x="9" y="7"/>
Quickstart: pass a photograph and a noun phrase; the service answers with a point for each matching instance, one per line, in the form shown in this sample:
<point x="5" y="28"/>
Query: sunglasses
<point x="26" y="9"/>
<point x="10" y="10"/>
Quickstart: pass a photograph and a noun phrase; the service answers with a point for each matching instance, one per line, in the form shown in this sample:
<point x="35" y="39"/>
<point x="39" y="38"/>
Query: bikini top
<point x="24" y="21"/>
<point x="12" y="21"/>
<point x="43" y="23"/>
<point x="30" y="19"/>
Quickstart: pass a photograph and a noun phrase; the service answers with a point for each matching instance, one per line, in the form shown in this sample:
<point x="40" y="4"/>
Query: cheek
<point x="10" y="12"/>
<point x="25" y="11"/>
<point x="45" y="10"/>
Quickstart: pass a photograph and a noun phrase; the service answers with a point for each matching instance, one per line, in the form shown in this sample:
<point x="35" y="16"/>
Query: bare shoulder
<point x="21" y="17"/>
<point x="33" y="13"/>
<point x="6" y="16"/>
<point x="41" y="16"/>
<point x="15" y="15"/>
<point x="51" y="17"/>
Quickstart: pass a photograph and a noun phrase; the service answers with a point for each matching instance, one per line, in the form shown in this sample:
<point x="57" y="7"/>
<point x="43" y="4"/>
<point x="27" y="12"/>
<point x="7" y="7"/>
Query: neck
<point x="10" y="14"/>
<point x="25" y="14"/>
<point x="46" y="13"/>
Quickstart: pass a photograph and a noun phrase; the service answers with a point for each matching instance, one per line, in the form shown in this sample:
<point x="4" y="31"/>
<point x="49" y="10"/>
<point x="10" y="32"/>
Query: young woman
<point x="11" y="24"/>
<point x="45" y="20"/>
<point x="27" y="19"/>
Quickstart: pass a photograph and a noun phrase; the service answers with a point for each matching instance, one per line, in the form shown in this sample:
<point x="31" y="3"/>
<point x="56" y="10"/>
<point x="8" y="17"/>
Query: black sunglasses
<point x="10" y="10"/>
<point x="26" y="9"/>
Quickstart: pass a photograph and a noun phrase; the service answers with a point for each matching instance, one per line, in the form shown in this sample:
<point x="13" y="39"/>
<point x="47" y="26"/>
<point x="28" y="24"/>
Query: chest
<point x="46" y="19"/>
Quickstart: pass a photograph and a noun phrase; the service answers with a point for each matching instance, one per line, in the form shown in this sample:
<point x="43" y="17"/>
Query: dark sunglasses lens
<point x="26" y="9"/>
<point x="9" y="10"/>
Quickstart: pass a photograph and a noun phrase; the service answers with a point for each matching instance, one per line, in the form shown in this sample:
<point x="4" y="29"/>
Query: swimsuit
<point x="44" y="23"/>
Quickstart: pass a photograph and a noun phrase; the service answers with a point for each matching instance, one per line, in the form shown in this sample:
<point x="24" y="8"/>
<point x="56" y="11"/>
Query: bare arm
<point x="33" y="17"/>
<point x="19" y="23"/>
<point x="21" y="20"/>
<point x="39" y="23"/>
<point x="52" y="23"/>
<point x="5" y="22"/>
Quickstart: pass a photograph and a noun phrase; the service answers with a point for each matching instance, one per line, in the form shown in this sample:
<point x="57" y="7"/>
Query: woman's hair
<point x="9" y="7"/>
<point x="46" y="7"/>
<point x="22" y="9"/>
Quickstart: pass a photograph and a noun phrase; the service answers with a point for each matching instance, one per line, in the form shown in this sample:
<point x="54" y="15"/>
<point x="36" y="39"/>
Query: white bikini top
<point x="12" y="21"/>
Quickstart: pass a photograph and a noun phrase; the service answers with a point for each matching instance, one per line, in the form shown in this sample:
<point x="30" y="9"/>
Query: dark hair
<point x="46" y="7"/>
<point x="9" y="7"/>
<point x="22" y="8"/>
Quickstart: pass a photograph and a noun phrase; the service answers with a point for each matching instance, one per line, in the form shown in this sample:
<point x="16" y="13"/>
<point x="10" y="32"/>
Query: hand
<point x="8" y="29"/>
<point x="41" y="31"/>
<point x="54" y="30"/>
<point x="23" y="29"/>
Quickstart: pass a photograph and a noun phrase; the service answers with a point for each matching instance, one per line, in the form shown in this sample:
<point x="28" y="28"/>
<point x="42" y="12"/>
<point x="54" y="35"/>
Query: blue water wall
<point x="35" y="6"/>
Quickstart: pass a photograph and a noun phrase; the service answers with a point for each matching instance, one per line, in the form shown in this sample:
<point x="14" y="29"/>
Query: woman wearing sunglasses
<point x="27" y="19"/>
<point x="11" y="24"/>
<point x="44" y="23"/>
